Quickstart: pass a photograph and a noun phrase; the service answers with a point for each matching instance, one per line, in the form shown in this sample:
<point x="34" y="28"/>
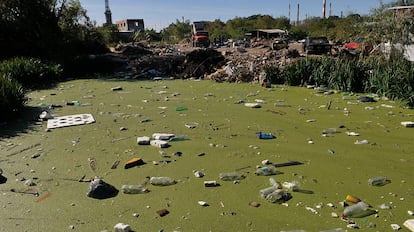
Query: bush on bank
<point x="393" y="79"/>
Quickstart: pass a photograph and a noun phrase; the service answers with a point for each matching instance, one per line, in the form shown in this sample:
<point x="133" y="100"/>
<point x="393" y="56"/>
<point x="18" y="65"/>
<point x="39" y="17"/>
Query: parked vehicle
<point x="317" y="45"/>
<point x="200" y="35"/>
<point x="357" y="46"/>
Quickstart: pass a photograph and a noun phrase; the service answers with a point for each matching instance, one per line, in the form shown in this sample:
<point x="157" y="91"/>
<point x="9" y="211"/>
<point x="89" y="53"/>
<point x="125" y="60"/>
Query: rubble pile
<point x="235" y="64"/>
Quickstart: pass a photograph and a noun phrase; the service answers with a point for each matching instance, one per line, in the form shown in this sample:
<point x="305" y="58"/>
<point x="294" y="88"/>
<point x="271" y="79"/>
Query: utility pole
<point x="330" y="9"/>
<point x="297" y="19"/>
<point x="289" y="12"/>
<point x="324" y="9"/>
<point x="108" y="14"/>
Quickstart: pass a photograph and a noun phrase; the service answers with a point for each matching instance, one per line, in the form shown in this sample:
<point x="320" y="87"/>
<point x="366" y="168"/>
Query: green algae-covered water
<point x="226" y="134"/>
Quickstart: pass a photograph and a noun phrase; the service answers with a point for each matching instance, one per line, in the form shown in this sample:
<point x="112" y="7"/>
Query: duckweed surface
<point x="308" y="126"/>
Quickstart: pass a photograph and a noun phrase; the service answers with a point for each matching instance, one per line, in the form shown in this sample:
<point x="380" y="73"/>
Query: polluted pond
<point x="190" y="155"/>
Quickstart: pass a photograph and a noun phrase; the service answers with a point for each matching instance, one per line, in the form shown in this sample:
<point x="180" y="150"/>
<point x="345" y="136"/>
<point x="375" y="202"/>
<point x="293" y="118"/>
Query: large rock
<point x="99" y="189"/>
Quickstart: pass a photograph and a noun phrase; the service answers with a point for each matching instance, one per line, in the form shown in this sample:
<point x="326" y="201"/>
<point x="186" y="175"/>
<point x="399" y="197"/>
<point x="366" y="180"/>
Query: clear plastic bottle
<point x="162" y="181"/>
<point x="275" y="183"/>
<point x="133" y="189"/>
<point x="266" y="191"/>
<point x="279" y="195"/>
<point x="230" y="176"/>
<point x="357" y="208"/>
<point x="266" y="171"/>
<point x="377" y="181"/>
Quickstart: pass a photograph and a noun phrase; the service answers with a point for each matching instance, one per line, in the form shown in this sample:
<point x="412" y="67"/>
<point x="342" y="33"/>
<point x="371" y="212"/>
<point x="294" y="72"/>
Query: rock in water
<point x="99" y="189"/>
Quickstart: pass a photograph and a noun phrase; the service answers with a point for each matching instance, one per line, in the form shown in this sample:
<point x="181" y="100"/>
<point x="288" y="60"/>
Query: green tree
<point x="28" y="28"/>
<point x="177" y="31"/>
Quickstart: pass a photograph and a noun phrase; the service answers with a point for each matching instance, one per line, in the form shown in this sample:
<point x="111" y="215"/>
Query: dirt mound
<point x="202" y="61"/>
<point x="131" y="50"/>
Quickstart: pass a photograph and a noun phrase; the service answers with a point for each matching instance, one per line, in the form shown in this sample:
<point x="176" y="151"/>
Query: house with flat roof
<point x="130" y="25"/>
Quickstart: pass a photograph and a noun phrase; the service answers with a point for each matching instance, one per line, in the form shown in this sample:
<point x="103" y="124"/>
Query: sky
<point x="158" y="14"/>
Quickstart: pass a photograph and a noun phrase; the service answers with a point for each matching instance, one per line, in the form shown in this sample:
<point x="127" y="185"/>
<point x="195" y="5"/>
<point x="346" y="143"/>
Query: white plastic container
<point x="159" y="143"/>
<point x="121" y="227"/>
<point x="144" y="140"/>
<point x="162" y="136"/>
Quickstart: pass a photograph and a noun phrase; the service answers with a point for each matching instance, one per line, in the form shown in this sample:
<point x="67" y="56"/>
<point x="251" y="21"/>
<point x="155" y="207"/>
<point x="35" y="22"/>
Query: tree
<point x="391" y="26"/>
<point x="177" y="31"/>
<point x="28" y="28"/>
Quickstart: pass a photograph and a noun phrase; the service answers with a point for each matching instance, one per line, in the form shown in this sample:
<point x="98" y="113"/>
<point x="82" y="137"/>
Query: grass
<point x="232" y="129"/>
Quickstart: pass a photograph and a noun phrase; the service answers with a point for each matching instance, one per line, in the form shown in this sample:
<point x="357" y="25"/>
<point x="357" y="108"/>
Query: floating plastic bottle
<point x="377" y="181"/>
<point x="266" y="171"/>
<point x="262" y="135"/>
<point x="274" y="183"/>
<point x="279" y="195"/>
<point x="355" y="209"/>
<point x="162" y="181"/>
<point x="293" y="186"/>
<point x="133" y="189"/>
<point x="230" y="176"/>
<point x="266" y="191"/>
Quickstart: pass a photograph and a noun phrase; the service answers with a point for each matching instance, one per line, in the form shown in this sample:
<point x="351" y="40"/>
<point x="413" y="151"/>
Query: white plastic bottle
<point x="266" y="171"/>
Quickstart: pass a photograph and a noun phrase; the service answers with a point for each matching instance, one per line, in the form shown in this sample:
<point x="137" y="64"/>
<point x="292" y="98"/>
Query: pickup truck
<point x="317" y="45"/>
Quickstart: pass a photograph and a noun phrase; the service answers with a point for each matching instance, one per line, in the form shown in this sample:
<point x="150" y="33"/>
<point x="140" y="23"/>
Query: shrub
<point x="30" y="72"/>
<point x="392" y="79"/>
<point x="274" y="74"/>
<point x="302" y="72"/>
<point x="12" y="96"/>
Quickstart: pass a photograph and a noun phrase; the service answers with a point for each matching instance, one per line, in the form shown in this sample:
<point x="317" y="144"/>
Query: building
<point x="403" y="11"/>
<point x="130" y="25"/>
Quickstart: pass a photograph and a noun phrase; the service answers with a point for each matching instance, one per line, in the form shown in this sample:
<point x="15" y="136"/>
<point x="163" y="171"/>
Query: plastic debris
<point x="266" y="171"/>
<point x="211" y="183"/>
<point x="117" y="88"/>
<point x="361" y="142"/>
<point x="203" y="203"/>
<point x="162" y="136"/>
<point x="121" y="227"/>
<point x="409" y="224"/>
<point x="293" y="186"/>
<point x="143" y="140"/>
<point x="45" y="116"/>
<point x="70" y="120"/>
<point x="162" y="212"/>
<point x="407" y="124"/>
<point x="198" y="174"/>
<point x="231" y="176"/>
<point x="395" y="227"/>
<point x="134" y="189"/>
<point x="262" y="135"/>
<point x="350" y="133"/>
<point x="159" y="143"/>
<point x="377" y="181"/>
<point x="162" y="181"/>
<point x="134" y="162"/>
<point x="352" y="199"/>
<point x="252" y="105"/>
